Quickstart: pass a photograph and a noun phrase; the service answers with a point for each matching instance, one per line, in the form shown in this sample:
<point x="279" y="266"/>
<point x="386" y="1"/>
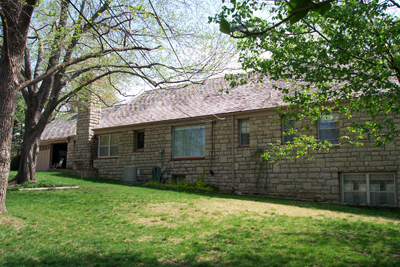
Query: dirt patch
<point x="174" y="262"/>
<point x="175" y="241"/>
<point x="219" y="208"/>
<point x="154" y="220"/>
<point x="144" y="238"/>
<point x="172" y="214"/>
<point x="9" y="221"/>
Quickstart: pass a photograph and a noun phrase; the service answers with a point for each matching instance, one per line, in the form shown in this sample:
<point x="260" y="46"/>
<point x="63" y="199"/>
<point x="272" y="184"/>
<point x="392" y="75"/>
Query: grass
<point x="106" y="223"/>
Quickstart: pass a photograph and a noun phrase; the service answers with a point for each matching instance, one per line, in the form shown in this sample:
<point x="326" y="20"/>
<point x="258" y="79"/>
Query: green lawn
<point x="106" y="223"/>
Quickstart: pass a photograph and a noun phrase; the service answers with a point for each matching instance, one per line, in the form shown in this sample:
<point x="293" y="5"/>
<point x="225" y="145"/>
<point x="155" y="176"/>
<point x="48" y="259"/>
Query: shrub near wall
<point x="184" y="185"/>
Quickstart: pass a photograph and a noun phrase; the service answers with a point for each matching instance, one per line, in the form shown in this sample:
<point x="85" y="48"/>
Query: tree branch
<point x="338" y="47"/>
<point x="394" y="3"/>
<point x="77" y="89"/>
<point x="294" y="12"/>
<point x="81" y="59"/>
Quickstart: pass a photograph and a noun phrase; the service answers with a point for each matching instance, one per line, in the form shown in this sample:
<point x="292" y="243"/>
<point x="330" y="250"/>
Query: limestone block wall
<point x="303" y="178"/>
<point x="156" y="139"/>
<point x="71" y="153"/>
<point x="85" y="146"/>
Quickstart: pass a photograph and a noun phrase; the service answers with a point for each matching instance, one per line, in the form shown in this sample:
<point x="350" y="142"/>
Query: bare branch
<point x="81" y="59"/>
<point x="77" y="89"/>
<point x="394" y="3"/>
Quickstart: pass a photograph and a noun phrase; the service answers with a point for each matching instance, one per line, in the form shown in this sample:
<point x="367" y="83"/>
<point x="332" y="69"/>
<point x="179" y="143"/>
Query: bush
<point x="14" y="166"/>
<point x="198" y="185"/>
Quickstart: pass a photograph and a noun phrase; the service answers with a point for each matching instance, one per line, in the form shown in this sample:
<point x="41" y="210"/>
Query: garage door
<point x="43" y="158"/>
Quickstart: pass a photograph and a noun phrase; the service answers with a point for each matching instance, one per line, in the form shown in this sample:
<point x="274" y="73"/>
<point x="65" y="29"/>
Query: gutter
<point x="57" y="140"/>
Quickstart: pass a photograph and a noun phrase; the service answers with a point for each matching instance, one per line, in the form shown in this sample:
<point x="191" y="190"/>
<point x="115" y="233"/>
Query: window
<point x="286" y="127"/>
<point x="139" y="143"/>
<point x="369" y="188"/>
<point x="108" y="146"/>
<point x="45" y="147"/>
<point x="328" y="128"/>
<point x="177" y="178"/>
<point x="244" y="138"/>
<point x="189" y="141"/>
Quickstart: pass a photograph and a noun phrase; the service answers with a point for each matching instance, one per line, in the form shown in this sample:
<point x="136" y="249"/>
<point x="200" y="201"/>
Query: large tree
<point x="73" y="44"/>
<point x="335" y="55"/>
<point x="15" y="21"/>
<point x="102" y="40"/>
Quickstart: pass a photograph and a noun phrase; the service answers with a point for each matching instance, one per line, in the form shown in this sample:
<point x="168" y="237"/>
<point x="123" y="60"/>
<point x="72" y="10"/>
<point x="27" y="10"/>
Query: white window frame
<point x="241" y="133"/>
<point x="337" y="126"/>
<point x="368" y="192"/>
<point x="188" y="127"/>
<point x="108" y="146"/>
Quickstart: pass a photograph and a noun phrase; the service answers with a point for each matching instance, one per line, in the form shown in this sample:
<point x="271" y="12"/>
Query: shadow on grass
<point x="134" y="259"/>
<point x="342" y="245"/>
<point x="379" y="212"/>
<point x="129" y="258"/>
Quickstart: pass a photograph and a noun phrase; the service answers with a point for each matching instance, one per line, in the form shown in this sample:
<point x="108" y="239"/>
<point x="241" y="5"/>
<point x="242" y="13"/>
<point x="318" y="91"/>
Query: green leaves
<point x="323" y="9"/>
<point x="294" y="6"/>
<point x="224" y="26"/>
<point x="349" y="66"/>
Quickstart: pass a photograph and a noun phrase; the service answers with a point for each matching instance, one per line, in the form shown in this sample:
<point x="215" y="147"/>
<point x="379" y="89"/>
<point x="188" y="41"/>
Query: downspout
<point x="233" y="154"/>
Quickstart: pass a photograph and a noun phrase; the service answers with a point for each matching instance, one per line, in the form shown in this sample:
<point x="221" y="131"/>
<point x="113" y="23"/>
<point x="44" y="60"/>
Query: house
<point x="201" y="127"/>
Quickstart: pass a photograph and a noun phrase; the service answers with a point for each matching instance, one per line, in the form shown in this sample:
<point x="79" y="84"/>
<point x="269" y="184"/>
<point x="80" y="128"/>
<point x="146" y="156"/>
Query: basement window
<point x="369" y="188"/>
<point x="108" y="146"/>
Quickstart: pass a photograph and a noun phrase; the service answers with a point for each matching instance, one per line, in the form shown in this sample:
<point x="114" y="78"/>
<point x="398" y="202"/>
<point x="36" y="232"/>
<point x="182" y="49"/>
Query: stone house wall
<point x="71" y="153"/>
<point x="85" y="143"/>
<point x="303" y="178"/>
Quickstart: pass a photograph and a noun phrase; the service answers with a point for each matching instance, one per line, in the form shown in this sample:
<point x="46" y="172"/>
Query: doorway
<point x="59" y="152"/>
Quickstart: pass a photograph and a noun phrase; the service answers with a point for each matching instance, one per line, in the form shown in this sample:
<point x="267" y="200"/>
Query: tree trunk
<point x="8" y="100"/>
<point x="35" y="122"/>
<point x="27" y="164"/>
<point x="15" y="19"/>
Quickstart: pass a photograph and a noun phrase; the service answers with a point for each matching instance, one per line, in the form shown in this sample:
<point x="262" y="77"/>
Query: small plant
<point x="201" y="179"/>
<point x="260" y="163"/>
<point x="198" y="185"/>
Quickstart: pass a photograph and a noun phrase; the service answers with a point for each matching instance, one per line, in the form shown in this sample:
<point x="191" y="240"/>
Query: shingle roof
<point x="192" y="101"/>
<point x="60" y="128"/>
<point x="179" y="103"/>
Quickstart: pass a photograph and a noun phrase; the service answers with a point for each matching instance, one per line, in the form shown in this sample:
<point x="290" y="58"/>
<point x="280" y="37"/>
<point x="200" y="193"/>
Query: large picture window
<point x="189" y="141"/>
<point x="244" y="139"/>
<point x="328" y="128"/>
<point x="369" y="188"/>
<point x="108" y="146"/>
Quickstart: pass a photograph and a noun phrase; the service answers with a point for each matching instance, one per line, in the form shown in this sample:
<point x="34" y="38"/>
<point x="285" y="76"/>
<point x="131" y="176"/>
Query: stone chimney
<point x="89" y="113"/>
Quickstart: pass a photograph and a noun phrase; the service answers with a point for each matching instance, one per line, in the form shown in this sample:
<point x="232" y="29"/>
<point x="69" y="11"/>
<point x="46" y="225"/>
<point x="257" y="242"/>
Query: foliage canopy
<point x="344" y="59"/>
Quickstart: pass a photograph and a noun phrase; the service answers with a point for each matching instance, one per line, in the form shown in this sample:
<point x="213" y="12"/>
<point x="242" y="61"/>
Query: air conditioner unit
<point x="131" y="174"/>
